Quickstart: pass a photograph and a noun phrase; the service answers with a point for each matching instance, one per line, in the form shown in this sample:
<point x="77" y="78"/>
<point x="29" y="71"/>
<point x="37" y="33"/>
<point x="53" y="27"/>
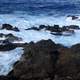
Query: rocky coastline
<point x="43" y="60"/>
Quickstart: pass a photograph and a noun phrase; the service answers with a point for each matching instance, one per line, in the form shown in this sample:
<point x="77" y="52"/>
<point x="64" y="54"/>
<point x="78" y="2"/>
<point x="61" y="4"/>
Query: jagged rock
<point x="57" y="33"/>
<point x="68" y="66"/>
<point x="42" y="27"/>
<point x="64" y="28"/>
<point x="46" y="60"/>
<point x="10" y="37"/>
<point x="38" y="61"/>
<point x="4" y="78"/>
<point x="76" y="48"/>
<point x="7" y="26"/>
<point x="6" y="46"/>
<point x="54" y="28"/>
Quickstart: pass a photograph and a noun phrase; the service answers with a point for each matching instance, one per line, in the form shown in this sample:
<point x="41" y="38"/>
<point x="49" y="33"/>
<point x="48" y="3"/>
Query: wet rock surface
<point x="9" y="27"/>
<point x="39" y="60"/>
<point x="56" y="30"/>
<point x="9" y="38"/>
<point x="68" y="67"/>
<point x="8" y="46"/>
<point x="46" y="60"/>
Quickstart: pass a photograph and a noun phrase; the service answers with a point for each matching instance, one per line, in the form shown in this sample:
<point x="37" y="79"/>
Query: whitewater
<point x="24" y="22"/>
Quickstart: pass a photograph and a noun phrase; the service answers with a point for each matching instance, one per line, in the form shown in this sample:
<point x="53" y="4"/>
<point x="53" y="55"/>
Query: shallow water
<point x="7" y="60"/>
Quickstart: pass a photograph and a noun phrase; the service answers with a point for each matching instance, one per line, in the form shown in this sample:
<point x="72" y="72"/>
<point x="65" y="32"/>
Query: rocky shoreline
<point x="43" y="60"/>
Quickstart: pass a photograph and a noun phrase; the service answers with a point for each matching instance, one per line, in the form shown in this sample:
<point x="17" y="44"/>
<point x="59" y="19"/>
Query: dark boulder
<point x="42" y="27"/>
<point x="38" y="61"/>
<point x="54" y="28"/>
<point x="68" y="66"/>
<point x="6" y="46"/>
<point x="76" y="48"/>
<point x="10" y="37"/>
<point x="46" y="60"/>
<point x="64" y="28"/>
<point x="4" y="78"/>
<point x="57" y="28"/>
<point x="7" y="26"/>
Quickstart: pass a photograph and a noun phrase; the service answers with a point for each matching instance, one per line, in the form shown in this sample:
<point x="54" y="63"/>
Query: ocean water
<point x="28" y="13"/>
<point x="25" y="14"/>
<point x="8" y="58"/>
<point x="34" y="13"/>
<point x="38" y="12"/>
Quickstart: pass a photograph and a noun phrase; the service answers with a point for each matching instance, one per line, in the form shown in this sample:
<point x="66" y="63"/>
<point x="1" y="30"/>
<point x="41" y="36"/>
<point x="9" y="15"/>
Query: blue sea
<point x="33" y="10"/>
<point x="41" y="8"/>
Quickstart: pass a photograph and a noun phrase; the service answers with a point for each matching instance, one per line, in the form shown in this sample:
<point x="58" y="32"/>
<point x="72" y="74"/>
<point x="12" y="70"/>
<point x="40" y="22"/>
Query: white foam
<point x="25" y="21"/>
<point x="31" y="35"/>
<point x="8" y="58"/>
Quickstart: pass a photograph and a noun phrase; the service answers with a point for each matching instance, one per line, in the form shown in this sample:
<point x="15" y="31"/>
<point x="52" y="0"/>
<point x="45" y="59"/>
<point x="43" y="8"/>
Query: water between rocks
<point x="8" y="58"/>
